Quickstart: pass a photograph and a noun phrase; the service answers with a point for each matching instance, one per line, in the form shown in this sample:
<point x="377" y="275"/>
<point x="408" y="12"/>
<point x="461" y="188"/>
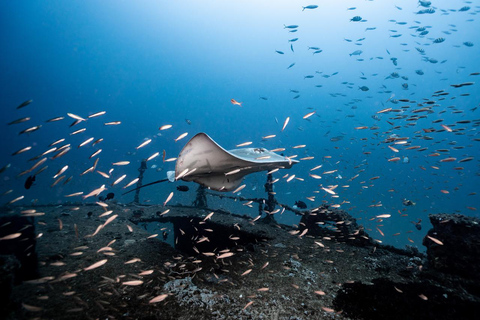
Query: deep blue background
<point x="151" y="63"/>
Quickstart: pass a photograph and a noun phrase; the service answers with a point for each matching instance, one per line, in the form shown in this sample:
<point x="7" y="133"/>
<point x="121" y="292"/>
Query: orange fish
<point x="235" y="102"/>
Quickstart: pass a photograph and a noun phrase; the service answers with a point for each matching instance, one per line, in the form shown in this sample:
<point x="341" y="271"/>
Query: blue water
<point x="152" y="63"/>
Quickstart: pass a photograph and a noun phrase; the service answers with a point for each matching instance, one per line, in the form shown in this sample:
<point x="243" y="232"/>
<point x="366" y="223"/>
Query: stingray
<point x="205" y="162"/>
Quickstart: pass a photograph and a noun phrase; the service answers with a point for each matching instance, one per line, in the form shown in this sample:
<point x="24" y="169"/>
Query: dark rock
<point x="336" y="224"/>
<point x="9" y="266"/>
<point x="460" y="252"/>
<point x="23" y="247"/>
<point x="417" y="300"/>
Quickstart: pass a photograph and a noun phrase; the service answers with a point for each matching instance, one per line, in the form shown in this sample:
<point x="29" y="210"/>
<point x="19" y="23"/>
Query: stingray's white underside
<point x="203" y="161"/>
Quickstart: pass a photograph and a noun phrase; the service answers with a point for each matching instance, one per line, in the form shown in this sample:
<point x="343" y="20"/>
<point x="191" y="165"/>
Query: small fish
<point x="156" y="154"/>
<point x="239" y="188"/>
<point x="182" y="188"/>
<point x="85" y="142"/>
<point x="435" y="240"/>
<point x="24" y="104"/>
<point x="170" y="196"/>
<point x="143" y="144"/>
<point x="11" y="236"/>
<point x="301" y="204"/>
<point x="285" y="123"/>
<point x="131" y="183"/>
<point x="19" y="120"/>
<point x="183" y="135"/>
<point x="244" y="144"/>
<point x="165" y="127"/>
<point x="58" y="119"/>
<point x="60" y="172"/>
<point x="293" y="26"/>
<point x="119" y="180"/>
<point x="279" y="52"/>
<point x="96" y="265"/>
<point x="356" y="53"/>
<point x="225" y="255"/>
<point x="121" y="163"/>
<point x="311" y="7"/>
<point x="31" y="129"/>
<point x="308" y="115"/>
<point x="235" y="102"/>
<point x="112" y="123"/>
<point x="356" y="19"/>
<point x="29" y="182"/>
<point x="101" y="113"/>
<point x="74" y="116"/>
<point x="21" y="151"/>
<point x="158" y="298"/>
<point x="96" y="153"/>
<point x="132" y="283"/>
<point x="462" y="84"/>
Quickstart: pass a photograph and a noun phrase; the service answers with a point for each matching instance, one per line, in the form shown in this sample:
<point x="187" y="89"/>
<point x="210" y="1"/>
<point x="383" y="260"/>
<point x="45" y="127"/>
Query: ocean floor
<point x="223" y="266"/>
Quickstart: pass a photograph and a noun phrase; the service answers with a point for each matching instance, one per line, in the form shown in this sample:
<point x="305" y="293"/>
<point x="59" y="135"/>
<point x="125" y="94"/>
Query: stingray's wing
<point x="204" y="161"/>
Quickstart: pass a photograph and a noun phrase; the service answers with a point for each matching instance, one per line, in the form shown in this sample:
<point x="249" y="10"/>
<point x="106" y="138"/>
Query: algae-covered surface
<point x="236" y="269"/>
